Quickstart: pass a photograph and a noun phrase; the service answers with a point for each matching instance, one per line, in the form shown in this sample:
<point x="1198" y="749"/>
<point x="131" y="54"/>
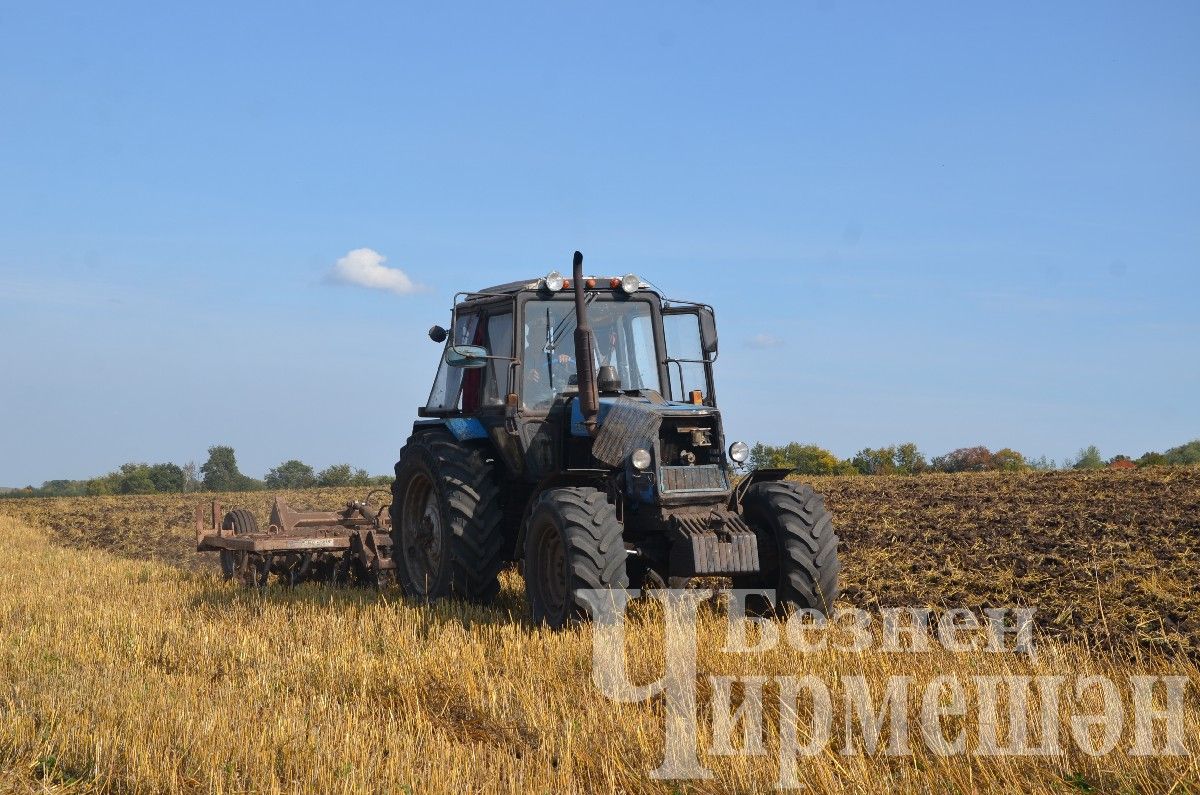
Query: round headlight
<point x="555" y="281"/>
<point x="631" y="284"/>
<point x="739" y="452"/>
<point x="641" y="460"/>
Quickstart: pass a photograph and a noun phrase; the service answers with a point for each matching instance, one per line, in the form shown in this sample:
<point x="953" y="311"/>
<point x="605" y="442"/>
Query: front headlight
<point x="555" y="281"/>
<point x="641" y="460"/>
<point x="631" y="284"/>
<point x="739" y="452"/>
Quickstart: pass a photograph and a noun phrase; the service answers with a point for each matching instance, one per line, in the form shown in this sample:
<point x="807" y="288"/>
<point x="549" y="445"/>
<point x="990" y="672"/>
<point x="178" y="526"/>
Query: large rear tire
<point x="447" y="533"/>
<point x="574" y="543"/>
<point x="797" y="544"/>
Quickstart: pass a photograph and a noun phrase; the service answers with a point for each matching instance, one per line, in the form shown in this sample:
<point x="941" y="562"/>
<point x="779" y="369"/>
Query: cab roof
<point x="529" y="285"/>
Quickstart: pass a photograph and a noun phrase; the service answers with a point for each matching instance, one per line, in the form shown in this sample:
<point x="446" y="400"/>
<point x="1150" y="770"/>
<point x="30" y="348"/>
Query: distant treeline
<point x="219" y="473"/>
<point x="906" y="459"/>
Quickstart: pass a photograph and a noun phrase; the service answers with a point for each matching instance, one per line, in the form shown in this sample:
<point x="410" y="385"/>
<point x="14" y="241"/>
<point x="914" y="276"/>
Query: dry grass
<point x="122" y="673"/>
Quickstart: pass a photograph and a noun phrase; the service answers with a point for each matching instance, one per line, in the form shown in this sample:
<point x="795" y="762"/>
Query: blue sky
<point x="949" y="223"/>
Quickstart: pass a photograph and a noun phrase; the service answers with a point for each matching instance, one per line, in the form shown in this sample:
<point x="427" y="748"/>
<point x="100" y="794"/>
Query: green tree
<point x="1089" y="458"/>
<point x="807" y="459"/>
<point x="1185" y="454"/>
<point x="291" y="475"/>
<point x="1009" y="460"/>
<point x="101" y="486"/>
<point x="965" y="459"/>
<point x="63" y="488"/>
<point x="846" y="467"/>
<point x="765" y="456"/>
<point x="909" y="460"/>
<point x="336" y="475"/>
<point x="134" y="479"/>
<point x="220" y="472"/>
<point x="167" y="478"/>
<point x="881" y="461"/>
<point x="1152" y="459"/>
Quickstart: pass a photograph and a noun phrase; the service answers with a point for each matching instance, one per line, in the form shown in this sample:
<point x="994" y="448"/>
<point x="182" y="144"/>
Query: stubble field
<point x="126" y="665"/>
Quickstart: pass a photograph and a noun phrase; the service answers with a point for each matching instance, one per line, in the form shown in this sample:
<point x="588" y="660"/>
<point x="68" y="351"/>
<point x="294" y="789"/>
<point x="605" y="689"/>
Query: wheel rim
<point x="551" y="572"/>
<point x="421" y="531"/>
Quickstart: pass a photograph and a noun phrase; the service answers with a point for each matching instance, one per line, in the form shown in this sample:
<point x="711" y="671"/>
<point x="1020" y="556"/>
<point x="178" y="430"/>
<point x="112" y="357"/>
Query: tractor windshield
<point x="624" y="332"/>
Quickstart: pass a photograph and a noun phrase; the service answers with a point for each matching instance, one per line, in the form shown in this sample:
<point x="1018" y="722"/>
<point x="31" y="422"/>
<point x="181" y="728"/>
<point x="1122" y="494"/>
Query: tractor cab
<point x="511" y="372"/>
<point x="519" y="340"/>
<point x="574" y="420"/>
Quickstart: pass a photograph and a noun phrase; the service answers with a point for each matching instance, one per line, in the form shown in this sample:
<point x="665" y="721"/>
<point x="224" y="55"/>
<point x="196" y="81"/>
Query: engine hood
<point x="643" y="404"/>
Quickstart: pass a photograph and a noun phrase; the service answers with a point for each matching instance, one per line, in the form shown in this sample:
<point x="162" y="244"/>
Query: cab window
<point x="499" y="370"/>
<point x="624" y="337"/>
<point x="685" y="356"/>
<point x="447" y="386"/>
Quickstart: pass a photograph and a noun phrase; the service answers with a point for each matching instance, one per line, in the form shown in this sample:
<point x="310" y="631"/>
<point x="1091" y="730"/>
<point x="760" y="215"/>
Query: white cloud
<point x="764" y="341"/>
<point x="364" y="267"/>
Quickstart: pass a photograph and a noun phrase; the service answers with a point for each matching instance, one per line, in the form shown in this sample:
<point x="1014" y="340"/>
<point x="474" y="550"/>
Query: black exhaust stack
<point x="585" y="357"/>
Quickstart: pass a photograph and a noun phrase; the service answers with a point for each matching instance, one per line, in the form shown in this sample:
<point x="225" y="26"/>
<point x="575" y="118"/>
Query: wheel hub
<point x="552" y="571"/>
<point x="421" y="532"/>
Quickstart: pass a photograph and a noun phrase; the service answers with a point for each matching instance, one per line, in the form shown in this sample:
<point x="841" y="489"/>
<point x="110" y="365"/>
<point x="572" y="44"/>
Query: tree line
<point x="907" y="459"/>
<point x="219" y="473"/>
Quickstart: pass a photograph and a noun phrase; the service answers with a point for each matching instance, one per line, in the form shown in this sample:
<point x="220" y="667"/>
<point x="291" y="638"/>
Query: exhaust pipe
<point x="585" y="357"/>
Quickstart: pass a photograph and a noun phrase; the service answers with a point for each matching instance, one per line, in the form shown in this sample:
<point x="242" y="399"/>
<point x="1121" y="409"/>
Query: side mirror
<point x="467" y="357"/>
<point x="439" y="334"/>
<point x="708" y="331"/>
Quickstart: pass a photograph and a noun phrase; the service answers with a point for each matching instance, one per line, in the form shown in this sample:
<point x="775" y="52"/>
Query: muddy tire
<point x="574" y="542"/>
<point x="447" y="533"/>
<point x="797" y="544"/>
<point x="240" y="522"/>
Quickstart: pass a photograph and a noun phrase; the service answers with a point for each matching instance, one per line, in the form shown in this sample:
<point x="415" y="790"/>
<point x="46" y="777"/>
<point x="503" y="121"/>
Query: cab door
<point x="691" y="339"/>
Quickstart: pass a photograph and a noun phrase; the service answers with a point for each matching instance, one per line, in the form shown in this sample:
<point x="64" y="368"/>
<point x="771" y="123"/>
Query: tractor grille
<point x="627" y="426"/>
<point x="697" y="478"/>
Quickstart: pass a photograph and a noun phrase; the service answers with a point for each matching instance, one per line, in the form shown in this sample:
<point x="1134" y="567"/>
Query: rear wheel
<point x="574" y="543"/>
<point x="797" y="544"/>
<point x="447" y="534"/>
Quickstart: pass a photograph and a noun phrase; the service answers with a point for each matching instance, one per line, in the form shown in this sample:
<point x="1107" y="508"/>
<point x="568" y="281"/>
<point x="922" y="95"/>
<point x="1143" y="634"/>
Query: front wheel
<point x="797" y="544"/>
<point x="574" y="543"/>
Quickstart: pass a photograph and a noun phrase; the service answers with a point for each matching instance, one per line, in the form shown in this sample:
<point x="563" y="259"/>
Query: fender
<point x="757" y="476"/>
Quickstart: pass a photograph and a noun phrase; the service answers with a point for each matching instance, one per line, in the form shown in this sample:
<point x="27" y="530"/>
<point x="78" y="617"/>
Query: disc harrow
<point x="350" y="547"/>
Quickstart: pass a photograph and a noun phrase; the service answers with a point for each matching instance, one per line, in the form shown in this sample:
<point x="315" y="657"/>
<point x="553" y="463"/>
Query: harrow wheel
<point x="235" y="565"/>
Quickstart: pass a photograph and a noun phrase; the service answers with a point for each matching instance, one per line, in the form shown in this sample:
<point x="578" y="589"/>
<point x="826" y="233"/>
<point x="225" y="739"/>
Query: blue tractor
<point x="573" y="428"/>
